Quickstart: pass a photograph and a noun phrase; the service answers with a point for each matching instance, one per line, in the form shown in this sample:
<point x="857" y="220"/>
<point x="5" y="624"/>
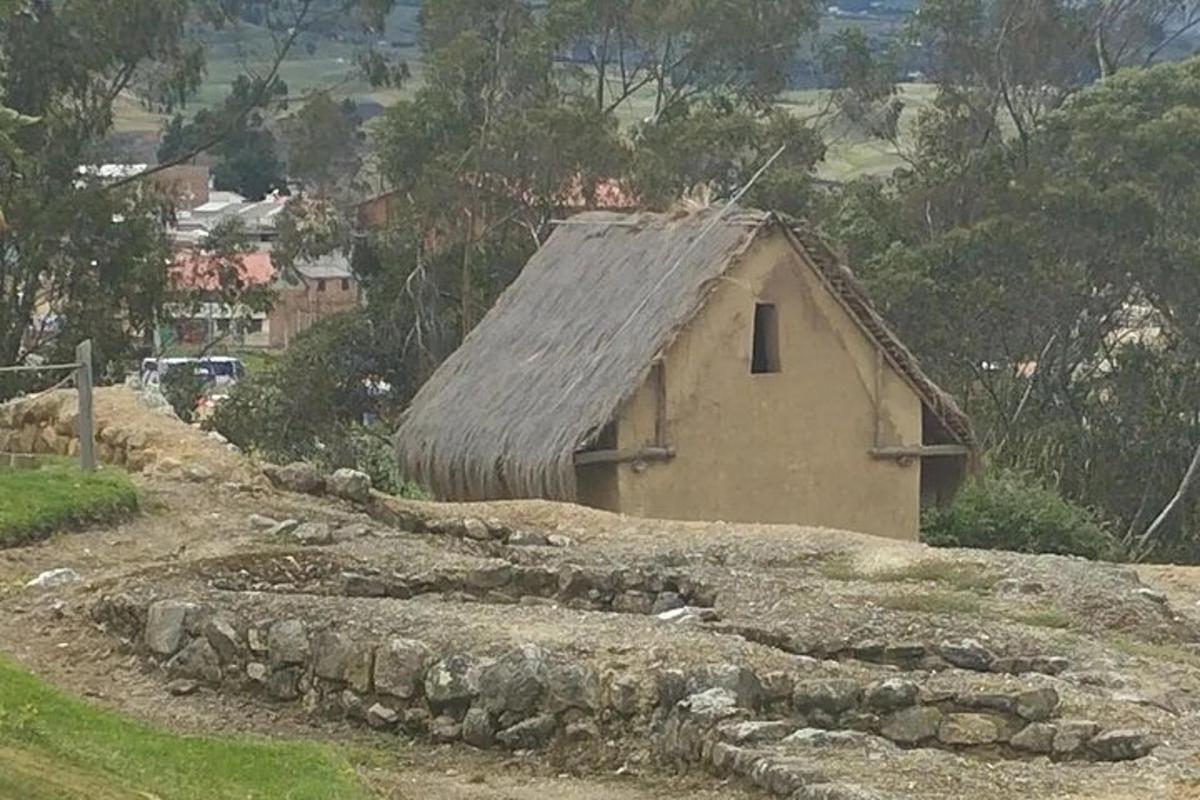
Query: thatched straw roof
<point x="576" y="334"/>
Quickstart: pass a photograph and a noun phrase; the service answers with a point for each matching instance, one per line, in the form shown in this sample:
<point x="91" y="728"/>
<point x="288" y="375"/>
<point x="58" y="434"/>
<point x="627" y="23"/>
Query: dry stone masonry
<point x="45" y="425"/>
<point x="715" y="729"/>
<point x="129" y="433"/>
<point x="966" y="654"/>
<point x="643" y="590"/>
<point x="722" y="717"/>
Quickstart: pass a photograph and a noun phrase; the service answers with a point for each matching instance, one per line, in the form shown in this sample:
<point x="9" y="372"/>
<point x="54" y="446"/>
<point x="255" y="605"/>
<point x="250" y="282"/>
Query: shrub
<point x="367" y="448"/>
<point x="315" y="402"/>
<point x="182" y="388"/>
<point x="320" y="384"/>
<point x="1011" y="511"/>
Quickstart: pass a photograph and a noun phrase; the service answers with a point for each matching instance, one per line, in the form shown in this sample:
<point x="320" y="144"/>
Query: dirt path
<point x="421" y="774"/>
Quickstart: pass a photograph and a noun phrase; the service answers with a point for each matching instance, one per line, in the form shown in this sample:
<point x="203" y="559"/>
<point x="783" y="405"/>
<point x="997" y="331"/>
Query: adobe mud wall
<point x="787" y="447"/>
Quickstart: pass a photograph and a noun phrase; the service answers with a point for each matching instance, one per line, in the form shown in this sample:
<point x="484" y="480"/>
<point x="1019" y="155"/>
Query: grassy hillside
<point x="850" y="152"/>
<point x="54" y="747"/>
<point x="328" y="63"/>
<point x="37" y="502"/>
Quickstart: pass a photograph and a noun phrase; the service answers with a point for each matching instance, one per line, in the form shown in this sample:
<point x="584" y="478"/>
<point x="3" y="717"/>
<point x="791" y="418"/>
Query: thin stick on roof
<point x="707" y="230"/>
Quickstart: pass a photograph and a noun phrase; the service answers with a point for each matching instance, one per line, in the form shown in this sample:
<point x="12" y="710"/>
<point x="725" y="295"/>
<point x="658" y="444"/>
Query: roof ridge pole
<point x="707" y="230"/>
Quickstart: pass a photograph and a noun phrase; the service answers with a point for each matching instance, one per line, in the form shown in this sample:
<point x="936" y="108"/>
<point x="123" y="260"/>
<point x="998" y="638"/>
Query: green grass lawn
<point x="54" y="747"/>
<point x="37" y="502"/>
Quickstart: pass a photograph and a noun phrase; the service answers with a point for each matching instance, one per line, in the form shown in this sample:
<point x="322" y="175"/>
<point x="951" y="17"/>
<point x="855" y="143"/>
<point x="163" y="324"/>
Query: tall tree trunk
<point x="1103" y="59"/>
<point x="1146" y="542"/>
<point x="661" y="91"/>
<point x="601" y="70"/>
<point x="466" y="283"/>
<point x="23" y="305"/>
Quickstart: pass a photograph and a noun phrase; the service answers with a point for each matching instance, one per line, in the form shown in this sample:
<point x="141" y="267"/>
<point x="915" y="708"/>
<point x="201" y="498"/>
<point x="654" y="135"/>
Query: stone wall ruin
<point x="722" y="717"/>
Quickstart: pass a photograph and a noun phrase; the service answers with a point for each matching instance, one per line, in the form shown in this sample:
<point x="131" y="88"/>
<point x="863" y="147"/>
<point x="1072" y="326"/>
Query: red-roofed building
<point x="193" y="270"/>
<point x="319" y="288"/>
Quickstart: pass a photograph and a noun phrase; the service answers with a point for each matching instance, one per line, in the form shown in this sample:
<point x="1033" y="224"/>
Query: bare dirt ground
<point x="803" y="601"/>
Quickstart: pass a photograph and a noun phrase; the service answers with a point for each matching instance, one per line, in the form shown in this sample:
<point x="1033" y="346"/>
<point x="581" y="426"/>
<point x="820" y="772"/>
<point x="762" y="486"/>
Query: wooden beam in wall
<point x="623" y="456"/>
<point x="921" y="451"/>
<point x="660" y="408"/>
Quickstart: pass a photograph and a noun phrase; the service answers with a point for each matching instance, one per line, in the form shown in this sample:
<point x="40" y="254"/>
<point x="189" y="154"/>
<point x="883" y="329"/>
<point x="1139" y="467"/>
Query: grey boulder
<point x="400" y="666"/>
<point x="967" y="654"/>
<point x="477" y="729"/>
<point x="165" y="625"/>
<point x="891" y="694"/>
<point x="832" y="696"/>
<point x="911" y="725"/>
<point x="313" y="534"/>
<point x="349" y="484"/>
<point x="529" y="734"/>
<point x="287" y="643"/>
<point x="452" y="682"/>
<point x="1122" y="745"/>
<point x="296" y="477"/>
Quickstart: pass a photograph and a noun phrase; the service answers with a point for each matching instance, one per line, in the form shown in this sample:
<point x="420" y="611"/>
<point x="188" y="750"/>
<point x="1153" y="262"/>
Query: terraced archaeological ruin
<point x="759" y="660"/>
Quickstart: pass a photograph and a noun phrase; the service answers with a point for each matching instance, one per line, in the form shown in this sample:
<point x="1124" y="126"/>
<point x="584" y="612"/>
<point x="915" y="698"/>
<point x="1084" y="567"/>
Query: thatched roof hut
<point x="577" y="333"/>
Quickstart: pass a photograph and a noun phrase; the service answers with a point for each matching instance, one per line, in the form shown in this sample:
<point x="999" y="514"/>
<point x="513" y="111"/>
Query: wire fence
<point x="78" y="372"/>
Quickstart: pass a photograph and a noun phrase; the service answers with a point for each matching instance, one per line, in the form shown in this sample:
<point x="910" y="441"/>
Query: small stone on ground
<point x="54" y="577"/>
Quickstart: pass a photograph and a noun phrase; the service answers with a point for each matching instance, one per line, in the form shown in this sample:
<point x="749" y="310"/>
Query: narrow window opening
<point x="765" y="359"/>
<point x="320" y="285"/>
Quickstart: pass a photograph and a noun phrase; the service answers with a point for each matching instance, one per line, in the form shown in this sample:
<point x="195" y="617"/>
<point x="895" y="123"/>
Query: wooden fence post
<point x="85" y="423"/>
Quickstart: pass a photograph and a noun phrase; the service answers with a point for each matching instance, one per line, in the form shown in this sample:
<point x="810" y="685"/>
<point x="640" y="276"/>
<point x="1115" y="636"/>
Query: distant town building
<point x="192" y="226"/>
<point x="324" y="286"/>
<point x="311" y="291"/>
<point x="187" y="184"/>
